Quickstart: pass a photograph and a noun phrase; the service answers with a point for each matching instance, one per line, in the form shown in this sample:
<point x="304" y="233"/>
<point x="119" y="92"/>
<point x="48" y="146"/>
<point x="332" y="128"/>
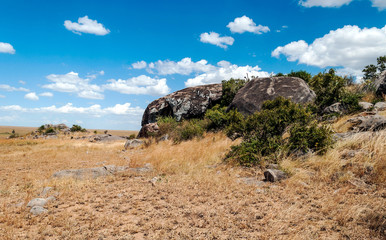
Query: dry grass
<point x="195" y="197"/>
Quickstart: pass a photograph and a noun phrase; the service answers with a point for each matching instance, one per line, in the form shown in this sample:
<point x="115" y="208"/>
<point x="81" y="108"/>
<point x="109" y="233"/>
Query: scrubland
<point x="195" y="195"/>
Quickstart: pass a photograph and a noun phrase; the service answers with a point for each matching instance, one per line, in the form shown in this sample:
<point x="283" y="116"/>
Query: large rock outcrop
<point x="380" y="84"/>
<point x="187" y="103"/>
<point x="250" y="98"/>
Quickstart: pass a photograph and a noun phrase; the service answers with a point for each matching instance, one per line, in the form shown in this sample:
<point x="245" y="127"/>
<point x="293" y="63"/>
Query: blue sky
<point x="99" y="63"/>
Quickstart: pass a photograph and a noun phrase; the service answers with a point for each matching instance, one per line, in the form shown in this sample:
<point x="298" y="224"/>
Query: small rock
<point x="366" y="105"/>
<point x="164" y="138"/>
<point x="368" y="123"/>
<point x="37" y="202"/>
<point x="380" y="106"/>
<point x="348" y="154"/>
<point x="133" y="143"/>
<point x="154" y="180"/>
<point x="335" y="108"/>
<point x="147" y="168"/>
<point x="252" y="181"/>
<point x="274" y="175"/>
<point x="37" y="210"/>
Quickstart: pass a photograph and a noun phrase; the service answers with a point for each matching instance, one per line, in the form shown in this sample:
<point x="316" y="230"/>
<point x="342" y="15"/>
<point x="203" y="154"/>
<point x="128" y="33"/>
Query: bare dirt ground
<point x="195" y="196"/>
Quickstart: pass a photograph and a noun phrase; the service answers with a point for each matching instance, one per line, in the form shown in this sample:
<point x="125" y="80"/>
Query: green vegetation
<point x="181" y="131"/>
<point x="264" y="133"/>
<point x="77" y="128"/>
<point x="330" y="88"/>
<point x="229" y="89"/>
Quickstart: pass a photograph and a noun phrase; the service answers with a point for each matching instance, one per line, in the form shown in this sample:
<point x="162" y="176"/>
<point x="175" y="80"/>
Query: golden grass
<point x="196" y="196"/>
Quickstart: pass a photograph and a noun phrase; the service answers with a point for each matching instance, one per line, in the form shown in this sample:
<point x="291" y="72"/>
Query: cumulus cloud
<point x="86" y="25"/>
<point x="6" y="48"/>
<point x="69" y="108"/>
<point x="46" y="94"/>
<point x="380" y="4"/>
<point x="215" y="39"/>
<point x="139" y="85"/>
<point x="31" y="96"/>
<point x="184" y="67"/>
<point x="139" y="65"/>
<point x="224" y="71"/>
<point x="324" y="3"/>
<point x="349" y="47"/>
<point x="245" y="24"/>
<point x="72" y="83"/>
<point x="8" y="88"/>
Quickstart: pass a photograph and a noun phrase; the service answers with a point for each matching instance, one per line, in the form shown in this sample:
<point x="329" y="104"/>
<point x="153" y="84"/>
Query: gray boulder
<point x="133" y="143"/>
<point x="89" y="172"/>
<point x="380" y="106"/>
<point x="380" y="84"/>
<point x="250" y="98"/>
<point x="368" y="123"/>
<point x="187" y="103"/>
<point x="37" y="210"/>
<point x="335" y="108"/>
<point x="274" y="175"/>
<point x="148" y="129"/>
<point x="366" y="105"/>
<point x="37" y="202"/>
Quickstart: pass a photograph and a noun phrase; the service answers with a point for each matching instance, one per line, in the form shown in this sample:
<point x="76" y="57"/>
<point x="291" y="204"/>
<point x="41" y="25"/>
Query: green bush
<point x="301" y="74"/>
<point x="229" y="90"/>
<point x="166" y="125"/>
<point x="132" y="136"/>
<point x="77" y="128"/>
<point x="330" y="88"/>
<point x="181" y="131"/>
<point x="217" y="118"/>
<point x="49" y="130"/>
<point x="263" y="133"/>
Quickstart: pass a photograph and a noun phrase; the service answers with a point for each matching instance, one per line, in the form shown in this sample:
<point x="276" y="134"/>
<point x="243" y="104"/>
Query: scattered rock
<point x="335" y="108"/>
<point x="348" y="154"/>
<point x="37" y="210"/>
<point x="274" y="175"/>
<point x="104" y="138"/>
<point x="89" y="172"/>
<point x="368" y="123"/>
<point x="187" y="103"/>
<point x="252" y="181"/>
<point x="147" y="168"/>
<point x="380" y="84"/>
<point x="37" y="202"/>
<point x="148" y="129"/>
<point x="366" y="105"/>
<point x="164" y="138"/>
<point x="250" y="98"/>
<point x="133" y="143"/>
<point x="380" y="106"/>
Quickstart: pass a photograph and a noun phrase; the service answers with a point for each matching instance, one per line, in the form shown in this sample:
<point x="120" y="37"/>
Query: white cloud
<point x="350" y="47"/>
<point x="95" y="110"/>
<point x="380" y="4"/>
<point x="184" y="67"/>
<point x="245" y="24"/>
<point x="215" y="39"/>
<point x="324" y="3"/>
<point x="6" y="48"/>
<point x="72" y="83"/>
<point x="86" y="25"/>
<point x="102" y="73"/>
<point x="225" y="71"/>
<point x="31" y="96"/>
<point x="22" y="82"/>
<point x="139" y="65"/>
<point x="8" y="88"/>
<point x="46" y="94"/>
<point x="2" y="96"/>
<point x="139" y="85"/>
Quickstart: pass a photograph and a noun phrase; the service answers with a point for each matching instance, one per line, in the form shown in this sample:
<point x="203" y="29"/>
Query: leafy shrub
<point x="132" y="136"/>
<point x="49" y="130"/>
<point x="263" y="132"/>
<point x="229" y="90"/>
<point x="181" y="131"/>
<point x="166" y="125"/>
<point x="301" y="74"/>
<point x="77" y="128"/>
<point x="217" y="118"/>
<point x="330" y="88"/>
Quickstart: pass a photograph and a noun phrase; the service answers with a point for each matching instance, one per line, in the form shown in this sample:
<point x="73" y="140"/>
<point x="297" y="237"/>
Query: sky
<point x="98" y="64"/>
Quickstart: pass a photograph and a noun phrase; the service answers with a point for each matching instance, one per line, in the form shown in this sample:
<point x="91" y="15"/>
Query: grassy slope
<point x="326" y="197"/>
